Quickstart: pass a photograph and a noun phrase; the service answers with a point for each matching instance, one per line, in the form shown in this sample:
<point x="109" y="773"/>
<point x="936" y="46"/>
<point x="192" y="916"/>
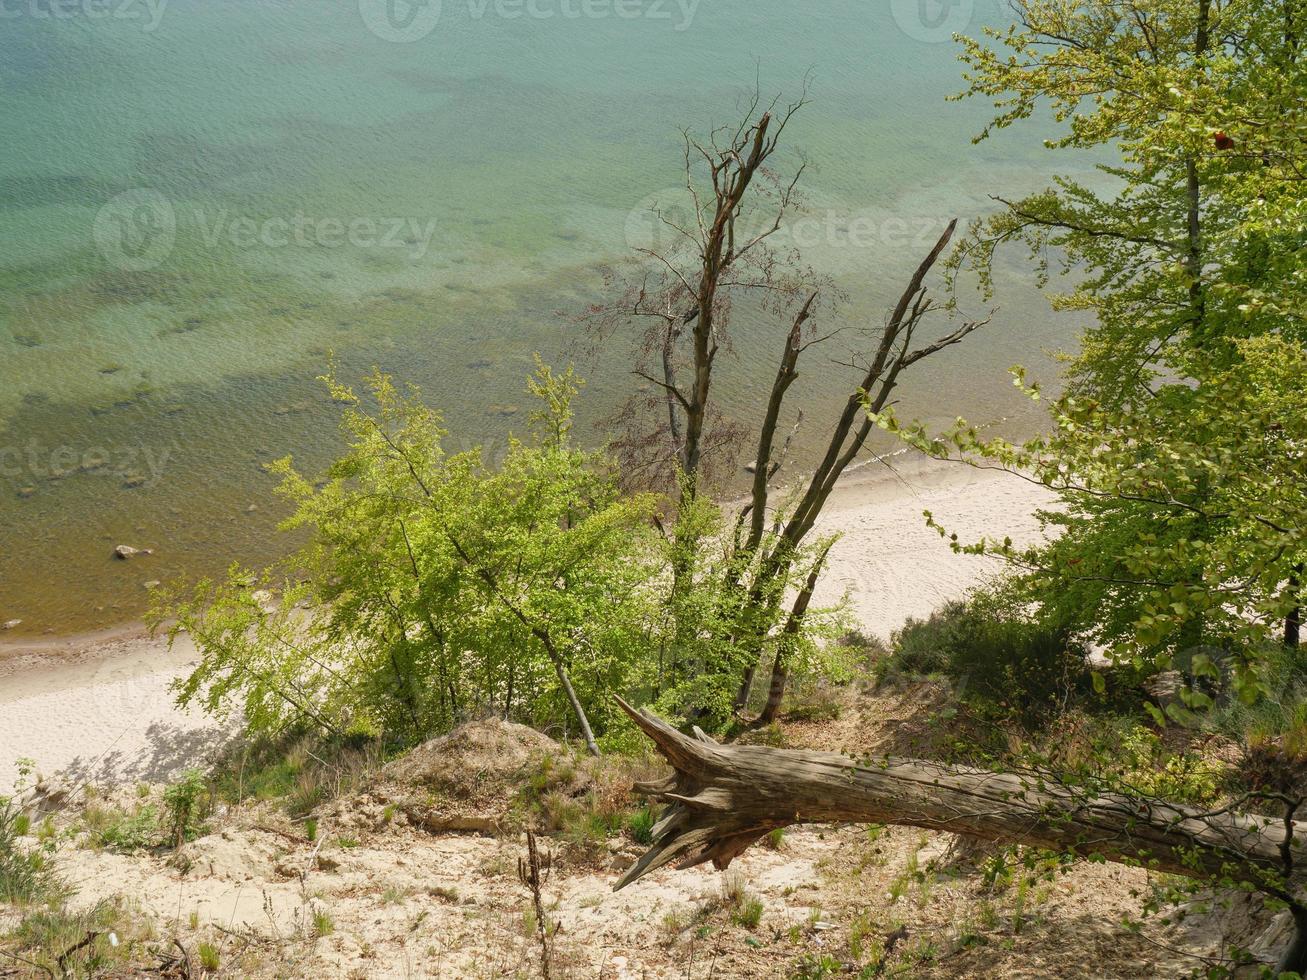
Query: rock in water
<point x="125" y="551"/>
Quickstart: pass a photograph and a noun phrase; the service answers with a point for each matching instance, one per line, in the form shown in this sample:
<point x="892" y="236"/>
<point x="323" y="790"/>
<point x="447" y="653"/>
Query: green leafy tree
<point x="1132" y="525"/>
<point x="438" y="586"/>
<point x="1194" y="236"/>
<point x="1188" y="249"/>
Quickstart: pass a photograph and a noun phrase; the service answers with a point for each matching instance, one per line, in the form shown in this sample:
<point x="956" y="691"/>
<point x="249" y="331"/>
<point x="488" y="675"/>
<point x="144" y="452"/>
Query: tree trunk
<point x="1293" y="621"/>
<point x="780" y="668"/>
<point x="723" y="798"/>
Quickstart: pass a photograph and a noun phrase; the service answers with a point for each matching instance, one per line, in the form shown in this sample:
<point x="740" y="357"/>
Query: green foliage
<point x="53" y="939"/>
<point x="445" y="587"/>
<point x="1156" y="770"/>
<point x="724" y="613"/>
<point x="640" y="825"/>
<point x="181" y="802"/>
<point x="816" y="966"/>
<point x="922" y="646"/>
<point x="323" y="923"/>
<point x="1026" y="666"/>
<point x="1195" y="235"/>
<point x="1182" y="518"/>
<point x="25" y="875"/>
<point x="748" y="913"/>
<point x="1176" y="450"/>
<point x="209" y="958"/>
<point x="120" y="830"/>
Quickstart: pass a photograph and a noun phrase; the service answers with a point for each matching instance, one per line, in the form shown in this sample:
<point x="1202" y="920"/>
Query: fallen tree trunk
<point x="723" y="798"/>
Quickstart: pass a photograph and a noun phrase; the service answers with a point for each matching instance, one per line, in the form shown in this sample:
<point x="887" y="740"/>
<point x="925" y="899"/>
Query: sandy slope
<point x="99" y="707"/>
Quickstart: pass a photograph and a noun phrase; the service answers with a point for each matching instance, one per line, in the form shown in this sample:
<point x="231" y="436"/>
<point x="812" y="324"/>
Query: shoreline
<point x="866" y="481"/>
<point x="97" y="706"/>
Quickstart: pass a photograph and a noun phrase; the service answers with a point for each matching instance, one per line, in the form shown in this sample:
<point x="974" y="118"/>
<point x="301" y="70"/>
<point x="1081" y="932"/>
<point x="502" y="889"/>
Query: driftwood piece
<point x="723" y="798"/>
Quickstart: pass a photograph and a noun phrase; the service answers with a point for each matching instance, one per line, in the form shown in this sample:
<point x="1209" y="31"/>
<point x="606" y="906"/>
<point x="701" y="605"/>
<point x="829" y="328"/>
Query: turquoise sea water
<point x="200" y="198"/>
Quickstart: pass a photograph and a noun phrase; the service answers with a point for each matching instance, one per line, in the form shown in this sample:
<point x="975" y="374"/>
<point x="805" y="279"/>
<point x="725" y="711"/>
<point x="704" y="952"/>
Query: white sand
<point x="99" y="708"/>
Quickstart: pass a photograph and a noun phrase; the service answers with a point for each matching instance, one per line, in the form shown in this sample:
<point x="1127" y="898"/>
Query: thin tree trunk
<point x="723" y="798"/>
<point x="893" y="355"/>
<point x="780" y="669"/>
<point x="591" y="745"/>
<point x="541" y="634"/>
<point x="1293" y="621"/>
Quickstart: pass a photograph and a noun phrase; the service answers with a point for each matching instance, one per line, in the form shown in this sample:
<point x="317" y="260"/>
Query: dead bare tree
<point x="895" y="353"/>
<point x="686" y="303"/>
<point x="720" y="249"/>
<point x="723" y="798"/>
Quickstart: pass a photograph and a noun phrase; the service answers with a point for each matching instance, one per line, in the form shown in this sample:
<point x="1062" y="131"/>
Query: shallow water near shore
<point x="200" y="200"/>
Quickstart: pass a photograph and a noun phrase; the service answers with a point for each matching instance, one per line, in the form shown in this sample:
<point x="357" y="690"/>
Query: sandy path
<point x="100" y="708"/>
<point x="892" y="564"/>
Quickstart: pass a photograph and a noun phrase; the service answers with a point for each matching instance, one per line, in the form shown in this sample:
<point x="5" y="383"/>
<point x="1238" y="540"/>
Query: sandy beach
<point x="99" y="707"/>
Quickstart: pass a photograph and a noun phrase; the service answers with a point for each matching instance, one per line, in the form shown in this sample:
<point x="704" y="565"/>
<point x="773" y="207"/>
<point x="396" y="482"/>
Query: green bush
<point x="122" y="831"/>
<point x="181" y="802"/>
<point x="922" y="645"/>
<point x="24" y="873"/>
<point x="640" y="825"/>
<point x="1027" y="667"/>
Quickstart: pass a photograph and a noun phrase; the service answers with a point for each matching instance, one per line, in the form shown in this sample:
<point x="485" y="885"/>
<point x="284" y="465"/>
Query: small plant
<point x="347" y="842"/>
<point x="311" y="829"/>
<point x="24" y="766"/>
<point x="22" y="825"/>
<point x="24" y="875"/>
<point x="748" y="914"/>
<point x="640" y="825"/>
<point x="181" y="806"/>
<point x="674" y="923"/>
<point x="209" y="959"/>
<point x="774" y="839"/>
<point x="121" y="831"/>
<point x="816" y="967"/>
<point x="898" y="887"/>
<point x="100" y="941"/>
<point x="323" y="923"/>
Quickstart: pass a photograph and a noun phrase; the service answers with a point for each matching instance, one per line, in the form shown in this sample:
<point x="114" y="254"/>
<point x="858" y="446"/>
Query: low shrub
<point x="1029" y="668"/>
<point x="25" y="875"/>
